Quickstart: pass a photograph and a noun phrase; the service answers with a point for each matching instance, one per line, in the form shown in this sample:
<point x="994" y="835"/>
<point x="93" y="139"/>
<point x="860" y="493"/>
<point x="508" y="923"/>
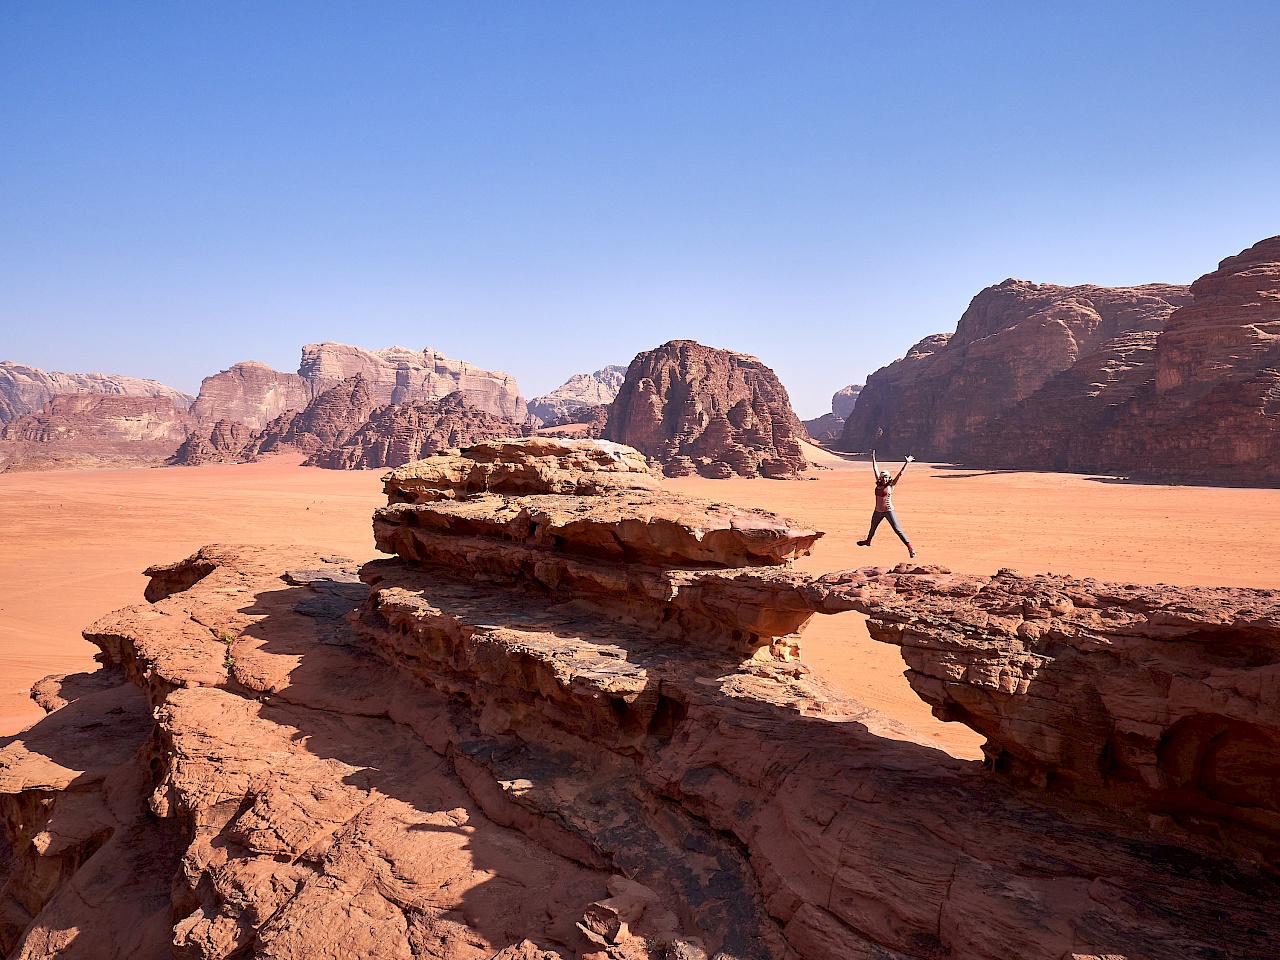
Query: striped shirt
<point x="884" y="498"/>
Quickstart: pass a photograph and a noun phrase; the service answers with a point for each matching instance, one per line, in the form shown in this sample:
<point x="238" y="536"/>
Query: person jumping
<point x="884" y="502"/>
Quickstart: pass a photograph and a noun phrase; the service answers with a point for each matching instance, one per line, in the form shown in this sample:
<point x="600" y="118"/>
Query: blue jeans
<point x="877" y="516"/>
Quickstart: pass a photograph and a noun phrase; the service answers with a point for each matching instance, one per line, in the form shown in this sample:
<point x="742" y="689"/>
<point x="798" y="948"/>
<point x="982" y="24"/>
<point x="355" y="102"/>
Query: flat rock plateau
<point x="566" y="719"/>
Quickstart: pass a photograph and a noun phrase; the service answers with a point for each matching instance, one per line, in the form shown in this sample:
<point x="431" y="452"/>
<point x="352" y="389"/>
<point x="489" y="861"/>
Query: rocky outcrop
<point x="397" y="376"/>
<point x="716" y="412"/>
<point x="567" y="721"/>
<point x="581" y="390"/>
<point x="226" y="442"/>
<point x="396" y="435"/>
<point x="1013" y="339"/>
<point x="327" y="422"/>
<point x="94" y="430"/>
<point x="1158" y="699"/>
<point x="25" y="389"/>
<point x="829" y="427"/>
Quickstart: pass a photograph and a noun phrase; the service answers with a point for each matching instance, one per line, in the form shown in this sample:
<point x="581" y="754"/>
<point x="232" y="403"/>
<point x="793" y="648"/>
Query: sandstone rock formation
<point x="716" y="412"/>
<point x="395" y="435"/>
<point x="1161" y="699"/>
<point x="251" y="394"/>
<point x="829" y="427"/>
<point x="397" y="375"/>
<point x="581" y="390"/>
<point x="582" y="422"/>
<point x="25" y="389"/>
<point x="567" y="722"/>
<point x="1012" y="340"/>
<point x="1200" y="401"/>
<point x="254" y="394"/>
<point x="228" y="441"/>
<point x="328" y="421"/>
<point x="87" y="429"/>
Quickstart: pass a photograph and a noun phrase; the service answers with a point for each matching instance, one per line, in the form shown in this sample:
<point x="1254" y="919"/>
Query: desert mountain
<point x="565" y="721"/>
<point x="254" y="394"/>
<point x="581" y="390"/>
<point x="829" y="427"/>
<point x="716" y="412"/>
<point x="93" y="429"/>
<point x="1011" y="341"/>
<point x="25" y="389"/>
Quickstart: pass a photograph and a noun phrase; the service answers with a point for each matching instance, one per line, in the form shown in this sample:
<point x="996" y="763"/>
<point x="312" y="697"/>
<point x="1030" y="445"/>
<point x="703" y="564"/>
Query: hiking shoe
<point x="864" y="543"/>
<point x="911" y="551"/>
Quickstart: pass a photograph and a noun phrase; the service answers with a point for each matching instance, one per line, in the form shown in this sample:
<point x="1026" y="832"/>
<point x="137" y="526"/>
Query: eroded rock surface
<point x="522" y="739"/>
<point x="829" y="427"/>
<point x="395" y="435"/>
<point x="716" y="412"/>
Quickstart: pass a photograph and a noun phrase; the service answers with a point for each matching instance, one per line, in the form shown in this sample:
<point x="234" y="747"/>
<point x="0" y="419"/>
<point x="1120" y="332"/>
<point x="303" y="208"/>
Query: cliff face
<point x="566" y="721"/>
<point x="1199" y="401"/>
<point x="328" y="421"/>
<point x="25" y="389"/>
<point x="1010" y="342"/>
<point x="581" y="390"/>
<point x="254" y="394"/>
<point x="717" y="412"/>
<point x="88" y="429"/>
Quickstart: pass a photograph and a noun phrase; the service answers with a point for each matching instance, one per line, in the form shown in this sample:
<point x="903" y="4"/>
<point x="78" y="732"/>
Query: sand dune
<point x="73" y="545"/>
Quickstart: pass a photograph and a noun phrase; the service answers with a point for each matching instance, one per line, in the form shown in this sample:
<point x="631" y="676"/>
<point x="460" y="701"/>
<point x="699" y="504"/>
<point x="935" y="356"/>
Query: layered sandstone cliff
<point x="254" y="394"/>
<point x="87" y="429"/>
<point x="25" y="389"/>
<point x="1011" y="341"/>
<point x="581" y="390"/>
<point x="567" y="721"/>
<point x="716" y="412"/>
<point x="1199" y="401"/>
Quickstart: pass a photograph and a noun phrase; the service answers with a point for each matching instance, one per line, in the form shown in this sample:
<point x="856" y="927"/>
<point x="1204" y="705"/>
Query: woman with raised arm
<point x="884" y="502"/>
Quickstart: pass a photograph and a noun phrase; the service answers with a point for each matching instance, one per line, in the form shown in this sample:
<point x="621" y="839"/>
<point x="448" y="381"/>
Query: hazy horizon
<point x="549" y="189"/>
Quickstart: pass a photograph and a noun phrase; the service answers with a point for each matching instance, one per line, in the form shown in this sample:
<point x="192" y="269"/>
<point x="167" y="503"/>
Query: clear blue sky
<point x="547" y="187"/>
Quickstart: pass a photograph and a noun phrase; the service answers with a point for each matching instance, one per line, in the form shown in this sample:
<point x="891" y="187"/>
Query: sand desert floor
<point x="73" y="545"/>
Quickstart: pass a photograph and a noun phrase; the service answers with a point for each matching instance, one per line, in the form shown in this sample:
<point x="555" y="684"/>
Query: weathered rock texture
<point x="716" y="412"/>
<point x="328" y="421"/>
<point x="251" y="394"/>
<point x="1200" y="401"/>
<point x="581" y="390"/>
<point x="396" y="435"/>
<point x="25" y="389"/>
<point x="225" y="442"/>
<point x="254" y="394"/>
<point x="88" y="429"/>
<point x="588" y="422"/>
<point x="829" y="427"/>
<point x="397" y="375"/>
<point x="1013" y="339"/>
<point x="500" y="747"/>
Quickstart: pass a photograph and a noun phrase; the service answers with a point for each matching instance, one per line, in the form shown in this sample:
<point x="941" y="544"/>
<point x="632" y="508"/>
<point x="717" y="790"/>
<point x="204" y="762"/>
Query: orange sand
<point x="73" y="544"/>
